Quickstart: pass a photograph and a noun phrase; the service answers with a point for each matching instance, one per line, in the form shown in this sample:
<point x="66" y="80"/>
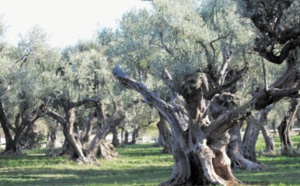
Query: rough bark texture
<point x="165" y="135"/>
<point x="199" y="154"/>
<point x="199" y="139"/>
<point x="236" y="154"/>
<point x="254" y="125"/>
<point x="284" y="129"/>
<point x="72" y="138"/>
<point x="22" y="121"/>
<point x="99" y="141"/>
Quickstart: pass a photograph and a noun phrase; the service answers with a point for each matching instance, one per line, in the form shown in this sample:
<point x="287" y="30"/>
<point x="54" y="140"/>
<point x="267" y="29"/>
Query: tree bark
<point x="235" y="152"/>
<point x="199" y="154"/>
<point x="135" y="134"/>
<point x="126" y="136"/>
<point x="115" y="139"/>
<point x="4" y="125"/>
<point x="254" y="125"/>
<point x="89" y="128"/>
<point x="165" y="135"/>
<point x="71" y="138"/>
<point x="99" y="140"/>
<point x="270" y="146"/>
<point x="284" y="129"/>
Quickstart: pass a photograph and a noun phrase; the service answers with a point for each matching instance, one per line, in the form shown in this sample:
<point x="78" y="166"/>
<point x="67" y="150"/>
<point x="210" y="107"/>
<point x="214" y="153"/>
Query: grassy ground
<point x="139" y="165"/>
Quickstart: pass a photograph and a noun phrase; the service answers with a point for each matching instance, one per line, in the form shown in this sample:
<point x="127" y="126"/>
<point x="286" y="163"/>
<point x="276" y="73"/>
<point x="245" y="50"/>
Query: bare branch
<point x="213" y="48"/>
<point x="56" y="116"/>
<point x="265" y="74"/>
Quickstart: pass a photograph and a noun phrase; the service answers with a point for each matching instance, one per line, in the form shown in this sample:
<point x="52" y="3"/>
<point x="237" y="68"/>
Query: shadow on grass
<point x="50" y="176"/>
<point x="280" y="171"/>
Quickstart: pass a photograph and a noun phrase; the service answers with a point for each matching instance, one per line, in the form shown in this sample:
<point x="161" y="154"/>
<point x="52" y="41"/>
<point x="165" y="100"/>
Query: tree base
<point x="12" y="153"/>
<point x="290" y="152"/>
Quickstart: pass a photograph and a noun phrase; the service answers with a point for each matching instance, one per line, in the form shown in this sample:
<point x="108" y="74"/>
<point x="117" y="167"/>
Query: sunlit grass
<point x="138" y="165"/>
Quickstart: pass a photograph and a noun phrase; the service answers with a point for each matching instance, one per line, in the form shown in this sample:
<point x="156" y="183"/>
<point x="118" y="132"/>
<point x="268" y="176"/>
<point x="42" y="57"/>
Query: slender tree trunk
<point x="274" y="128"/>
<point x="135" y="134"/>
<point x="89" y="128"/>
<point x="115" y="139"/>
<point x="126" y="137"/>
<point x="270" y="146"/>
<point x="122" y="135"/>
<point x="52" y="138"/>
<point x="5" y="128"/>
<point x="165" y="135"/>
<point x="284" y="129"/>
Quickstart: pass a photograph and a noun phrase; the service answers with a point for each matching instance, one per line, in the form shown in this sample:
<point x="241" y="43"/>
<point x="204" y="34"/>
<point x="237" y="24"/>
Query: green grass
<point x="139" y="165"/>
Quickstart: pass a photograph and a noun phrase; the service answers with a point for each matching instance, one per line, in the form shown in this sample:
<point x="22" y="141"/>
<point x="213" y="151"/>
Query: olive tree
<point x="200" y="73"/>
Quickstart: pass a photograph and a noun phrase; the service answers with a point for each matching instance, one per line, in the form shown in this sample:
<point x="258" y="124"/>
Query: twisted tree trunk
<point x="99" y="146"/>
<point x="199" y="153"/>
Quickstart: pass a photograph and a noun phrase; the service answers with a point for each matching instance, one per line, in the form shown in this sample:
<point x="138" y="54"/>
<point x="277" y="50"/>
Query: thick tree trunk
<point x="99" y="141"/>
<point x="106" y="150"/>
<point x="250" y="138"/>
<point x="235" y="152"/>
<point x="284" y="129"/>
<point x="66" y="149"/>
<point x="72" y="138"/>
<point x="198" y="152"/>
<point x="17" y="139"/>
<point x="165" y="135"/>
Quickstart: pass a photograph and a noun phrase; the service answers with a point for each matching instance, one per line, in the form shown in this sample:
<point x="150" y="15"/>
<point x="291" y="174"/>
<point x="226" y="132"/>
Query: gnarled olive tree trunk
<point x="99" y="146"/>
<point x="199" y="151"/>
<point x="22" y="121"/>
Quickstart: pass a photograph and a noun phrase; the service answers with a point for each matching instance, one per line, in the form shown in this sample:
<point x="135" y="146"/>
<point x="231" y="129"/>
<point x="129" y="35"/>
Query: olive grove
<point x="199" y="70"/>
<point x="202" y="82"/>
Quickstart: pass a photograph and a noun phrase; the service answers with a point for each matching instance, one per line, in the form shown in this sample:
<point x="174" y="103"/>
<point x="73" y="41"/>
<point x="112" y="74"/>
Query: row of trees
<point x="203" y="67"/>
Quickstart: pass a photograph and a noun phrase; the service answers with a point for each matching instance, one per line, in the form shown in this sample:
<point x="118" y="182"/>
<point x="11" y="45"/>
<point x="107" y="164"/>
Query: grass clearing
<point x="140" y="165"/>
